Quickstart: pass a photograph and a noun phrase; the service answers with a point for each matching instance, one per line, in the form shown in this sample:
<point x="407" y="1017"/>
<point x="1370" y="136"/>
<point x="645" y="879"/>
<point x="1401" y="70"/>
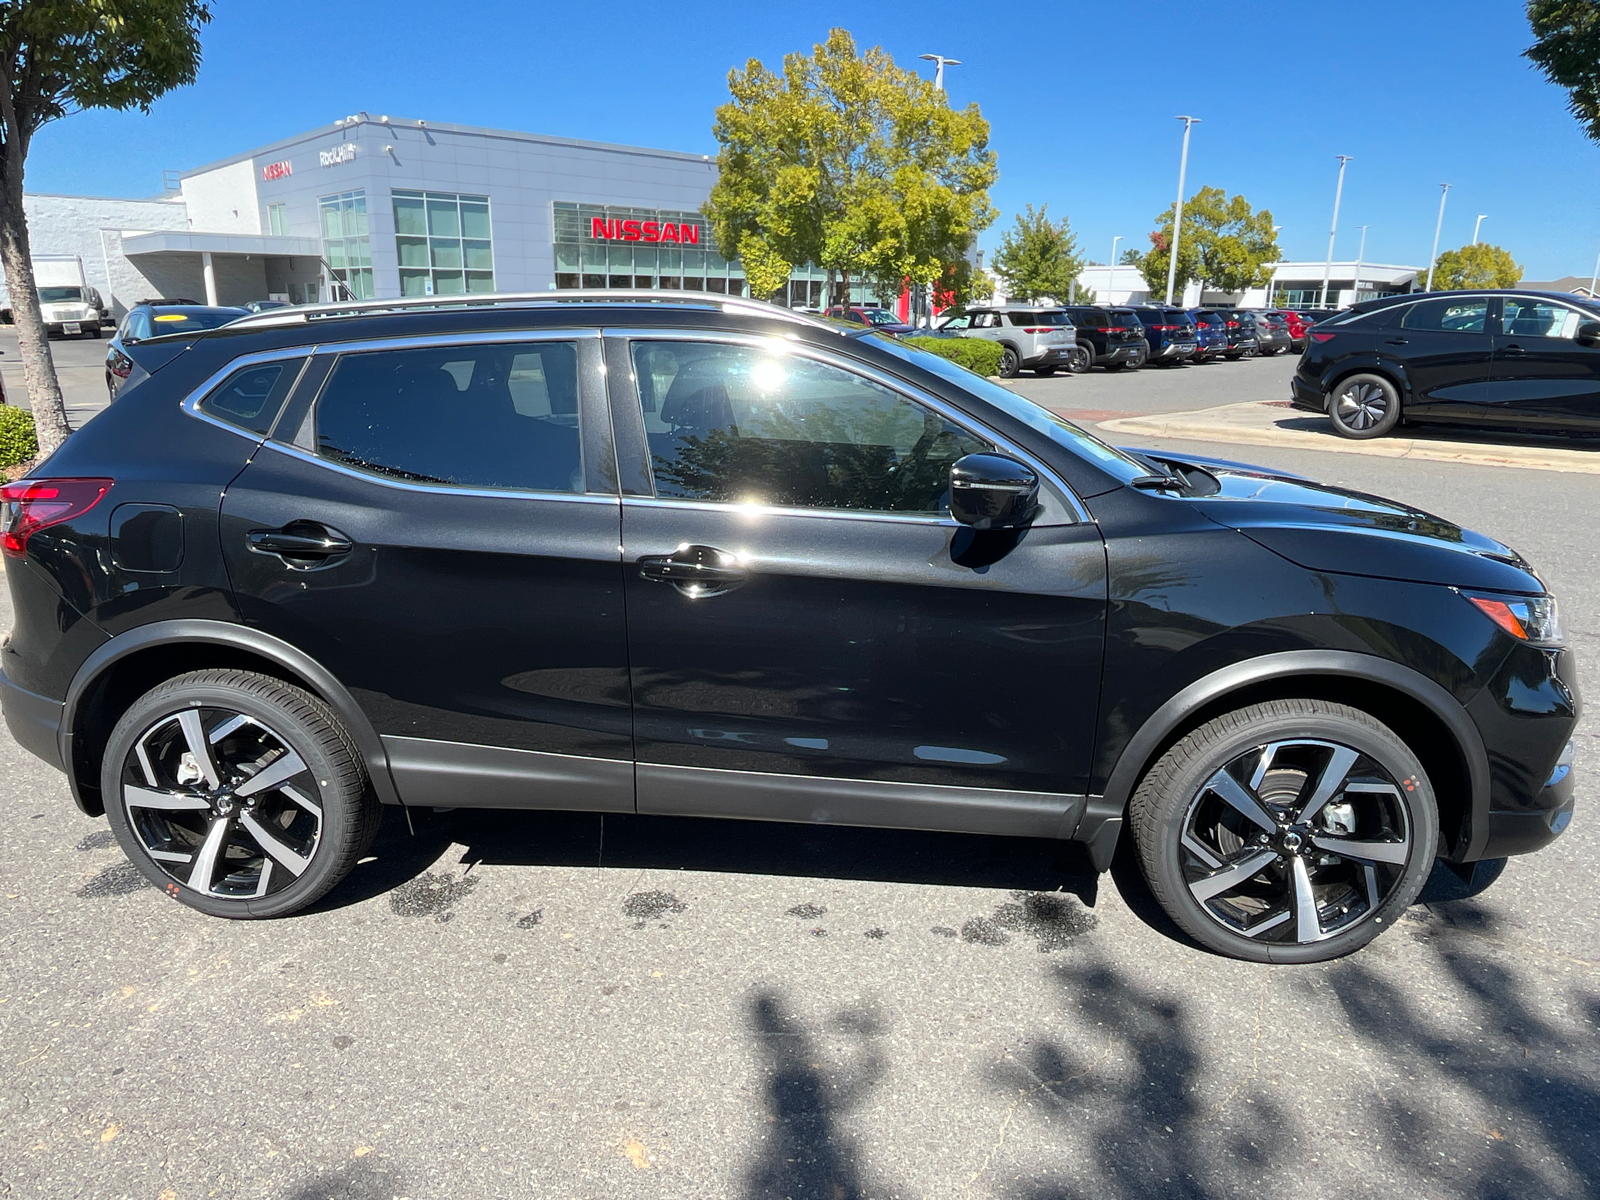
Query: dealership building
<point x="376" y="207"/>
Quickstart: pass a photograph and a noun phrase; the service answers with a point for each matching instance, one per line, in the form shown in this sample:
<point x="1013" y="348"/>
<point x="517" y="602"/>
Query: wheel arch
<point x="1394" y="372"/>
<point x="131" y="663"/>
<point x="1426" y="717"/>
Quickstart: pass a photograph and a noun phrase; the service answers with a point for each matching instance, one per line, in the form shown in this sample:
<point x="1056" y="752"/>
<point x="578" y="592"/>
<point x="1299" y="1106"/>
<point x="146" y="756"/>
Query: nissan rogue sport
<point x="697" y="555"/>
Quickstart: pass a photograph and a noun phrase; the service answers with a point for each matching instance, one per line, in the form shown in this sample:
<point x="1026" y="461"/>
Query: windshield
<point x="881" y="316"/>
<point x="1059" y="430"/>
<point x="60" y="295"/>
<point x="190" y="322"/>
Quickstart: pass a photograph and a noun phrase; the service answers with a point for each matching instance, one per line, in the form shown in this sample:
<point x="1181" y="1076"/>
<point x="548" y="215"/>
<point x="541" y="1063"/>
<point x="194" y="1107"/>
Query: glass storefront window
<point x="430" y="228"/>
<point x="583" y="260"/>
<point x="345" y="245"/>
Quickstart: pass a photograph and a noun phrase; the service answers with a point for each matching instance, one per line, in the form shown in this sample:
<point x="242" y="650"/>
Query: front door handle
<point x="301" y="543"/>
<point x="696" y="571"/>
<point x="1397" y="341"/>
<point x="1513" y="351"/>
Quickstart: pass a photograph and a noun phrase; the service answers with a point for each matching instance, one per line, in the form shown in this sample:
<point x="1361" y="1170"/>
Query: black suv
<point x="1170" y="333"/>
<point x="1518" y="361"/>
<point x="1111" y="338"/>
<point x="699" y="556"/>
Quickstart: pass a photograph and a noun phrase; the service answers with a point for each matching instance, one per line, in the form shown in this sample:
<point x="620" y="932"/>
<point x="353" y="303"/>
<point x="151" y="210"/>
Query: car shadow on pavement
<point x="628" y="841"/>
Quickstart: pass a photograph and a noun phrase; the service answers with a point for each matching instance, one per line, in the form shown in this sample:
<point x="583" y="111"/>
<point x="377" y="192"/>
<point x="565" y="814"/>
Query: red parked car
<point x="880" y="319"/>
<point x="1298" y="325"/>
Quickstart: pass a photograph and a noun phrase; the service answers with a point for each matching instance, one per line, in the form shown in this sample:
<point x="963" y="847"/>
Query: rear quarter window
<point x="251" y="397"/>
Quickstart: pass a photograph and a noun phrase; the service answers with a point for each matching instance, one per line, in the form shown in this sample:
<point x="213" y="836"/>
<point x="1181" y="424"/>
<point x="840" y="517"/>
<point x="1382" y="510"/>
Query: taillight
<point x="1041" y="328"/>
<point x="121" y="365"/>
<point x="1233" y="324"/>
<point x="1323" y="337"/>
<point x="30" y="505"/>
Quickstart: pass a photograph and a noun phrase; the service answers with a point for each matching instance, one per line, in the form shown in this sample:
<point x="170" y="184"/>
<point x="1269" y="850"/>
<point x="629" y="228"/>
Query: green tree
<point x="1479" y="266"/>
<point x="1567" y="50"/>
<point x="1038" y="258"/>
<point x="58" y="57"/>
<point x="846" y="161"/>
<point x="1226" y="245"/>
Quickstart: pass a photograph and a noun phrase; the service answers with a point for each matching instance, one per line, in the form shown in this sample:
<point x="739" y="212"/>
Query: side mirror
<point x="990" y="491"/>
<point x="1589" y="333"/>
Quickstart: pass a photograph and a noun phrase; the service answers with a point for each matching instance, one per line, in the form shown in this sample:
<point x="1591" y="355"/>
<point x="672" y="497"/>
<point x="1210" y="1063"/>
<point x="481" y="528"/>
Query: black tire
<point x="287" y="843"/>
<point x="1081" y="361"/>
<point x="1197" y="843"/>
<point x="1116" y="366"/>
<point x="1044" y="372"/>
<point x="1364" y="406"/>
<point x="1010" y="362"/>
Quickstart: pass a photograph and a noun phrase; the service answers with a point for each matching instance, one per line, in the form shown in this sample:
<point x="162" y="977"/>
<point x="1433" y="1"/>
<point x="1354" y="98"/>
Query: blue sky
<point x="1080" y="98"/>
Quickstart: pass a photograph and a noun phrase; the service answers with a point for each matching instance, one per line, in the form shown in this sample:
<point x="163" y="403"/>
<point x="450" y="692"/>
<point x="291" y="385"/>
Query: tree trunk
<point x="38" y="368"/>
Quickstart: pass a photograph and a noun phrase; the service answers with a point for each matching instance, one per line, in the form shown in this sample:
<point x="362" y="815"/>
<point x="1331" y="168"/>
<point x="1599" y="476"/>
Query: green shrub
<point x="17" y="440"/>
<point x="975" y="354"/>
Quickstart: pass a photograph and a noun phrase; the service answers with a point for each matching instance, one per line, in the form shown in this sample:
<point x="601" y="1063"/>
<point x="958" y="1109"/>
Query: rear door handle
<point x="1513" y="351"/>
<point x="1398" y="341"/>
<point x="301" y="543"/>
<point x="696" y="571"/>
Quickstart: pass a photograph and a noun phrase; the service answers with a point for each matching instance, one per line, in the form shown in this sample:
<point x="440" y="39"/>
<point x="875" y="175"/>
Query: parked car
<point x="1314" y="315"/>
<point x="1510" y="360"/>
<point x="256" y="306"/>
<point x="881" y="319"/>
<point x="1032" y="337"/>
<point x="1296" y="326"/>
<point x="1211" y="334"/>
<point x="156" y="318"/>
<point x="1241" y="330"/>
<point x="293" y="499"/>
<point x="1272" y="333"/>
<point x="1107" y="337"/>
<point x="1170" y="333"/>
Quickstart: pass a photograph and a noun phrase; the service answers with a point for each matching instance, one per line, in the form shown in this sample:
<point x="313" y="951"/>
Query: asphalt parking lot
<point x="547" y="1006"/>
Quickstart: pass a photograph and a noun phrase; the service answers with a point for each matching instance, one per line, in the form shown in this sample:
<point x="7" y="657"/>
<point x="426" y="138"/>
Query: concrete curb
<point x="1265" y="423"/>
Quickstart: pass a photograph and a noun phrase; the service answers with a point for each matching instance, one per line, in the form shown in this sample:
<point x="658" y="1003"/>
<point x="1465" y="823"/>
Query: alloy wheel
<point x="222" y="804"/>
<point x="1296" y="841"/>
<point x="1362" y="406"/>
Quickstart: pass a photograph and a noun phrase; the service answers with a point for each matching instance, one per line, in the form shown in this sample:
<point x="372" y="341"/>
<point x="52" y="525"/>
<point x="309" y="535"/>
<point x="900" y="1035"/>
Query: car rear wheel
<point x="1080" y="362"/>
<point x="1116" y="366"/>
<point x="237" y="794"/>
<point x="1010" y="363"/>
<point x="1044" y="372"/>
<point x="1364" y="406"/>
<point x="1291" y="831"/>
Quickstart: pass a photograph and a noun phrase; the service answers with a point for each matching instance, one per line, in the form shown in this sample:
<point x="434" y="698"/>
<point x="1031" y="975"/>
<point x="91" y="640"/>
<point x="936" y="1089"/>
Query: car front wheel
<point x="1292" y="831"/>
<point x="1081" y="360"/>
<point x="1010" y="363"/>
<point x="237" y="794"/>
<point x="1364" y="406"/>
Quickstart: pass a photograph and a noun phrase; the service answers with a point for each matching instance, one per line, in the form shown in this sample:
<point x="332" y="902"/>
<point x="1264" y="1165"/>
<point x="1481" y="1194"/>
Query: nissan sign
<point x="643" y="231"/>
<point x="276" y="170"/>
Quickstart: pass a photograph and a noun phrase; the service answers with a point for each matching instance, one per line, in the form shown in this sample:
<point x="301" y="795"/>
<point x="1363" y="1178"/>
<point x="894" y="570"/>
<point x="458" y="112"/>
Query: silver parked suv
<point x="1041" y="339"/>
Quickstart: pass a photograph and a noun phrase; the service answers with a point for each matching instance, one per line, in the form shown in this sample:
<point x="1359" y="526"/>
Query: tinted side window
<point x="738" y="425"/>
<point x="251" y="397"/>
<point x="1447" y="316"/>
<point x="474" y="416"/>
<point x="1538" y="318"/>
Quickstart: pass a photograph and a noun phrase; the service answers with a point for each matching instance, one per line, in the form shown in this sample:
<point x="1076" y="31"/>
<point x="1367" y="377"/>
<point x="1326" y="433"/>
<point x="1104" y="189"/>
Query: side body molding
<point x="240" y="637"/>
<point x="1103" y="815"/>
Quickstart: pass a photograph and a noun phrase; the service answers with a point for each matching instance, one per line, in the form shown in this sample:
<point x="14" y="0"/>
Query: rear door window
<point x="497" y="416"/>
<point x="1447" y="316"/>
<point x="1521" y="317"/>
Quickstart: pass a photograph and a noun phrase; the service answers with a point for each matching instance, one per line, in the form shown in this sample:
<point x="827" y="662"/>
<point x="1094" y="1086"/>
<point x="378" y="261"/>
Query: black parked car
<point x="1511" y="360"/>
<point x="700" y="557"/>
<point x="1170" y="333"/>
<point x="153" y="318"/>
<point x="1107" y="337"/>
<point x="1241" y="330"/>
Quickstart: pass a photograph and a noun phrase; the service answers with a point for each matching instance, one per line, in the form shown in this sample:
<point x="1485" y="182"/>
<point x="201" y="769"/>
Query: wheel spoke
<point x="1308" y="925"/>
<point x="1261" y="927"/>
<point x="139" y="797"/>
<point x="1339" y="764"/>
<point x="1235" y="793"/>
<point x="237" y="721"/>
<point x="204" y="870"/>
<point x="195" y="735"/>
<point x="286" y="857"/>
<point x="1394" y="853"/>
<point x="281" y="771"/>
<point x="1230" y="877"/>
<point x="304" y="801"/>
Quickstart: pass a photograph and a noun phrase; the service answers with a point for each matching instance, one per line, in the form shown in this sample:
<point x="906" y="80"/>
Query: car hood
<point x="1333" y="529"/>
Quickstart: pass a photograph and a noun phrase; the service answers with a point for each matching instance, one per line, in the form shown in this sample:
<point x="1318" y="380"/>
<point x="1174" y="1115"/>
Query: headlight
<point x="1526" y="618"/>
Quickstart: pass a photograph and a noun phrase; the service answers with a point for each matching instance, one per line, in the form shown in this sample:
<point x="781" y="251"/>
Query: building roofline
<point x="339" y="128"/>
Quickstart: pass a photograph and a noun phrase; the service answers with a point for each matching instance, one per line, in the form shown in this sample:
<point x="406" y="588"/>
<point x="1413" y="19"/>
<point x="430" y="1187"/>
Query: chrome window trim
<point x="791" y="344"/>
<point x="191" y="403"/>
<point x="434" y="488"/>
<point x="778" y="510"/>
<point x="434" y="340"/>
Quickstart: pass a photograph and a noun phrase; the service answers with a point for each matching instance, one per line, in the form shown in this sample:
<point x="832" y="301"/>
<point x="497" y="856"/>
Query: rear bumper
<point x="1304" y="395"/>
<point x="34" y="720"/>
<point x="1050" y="356"/>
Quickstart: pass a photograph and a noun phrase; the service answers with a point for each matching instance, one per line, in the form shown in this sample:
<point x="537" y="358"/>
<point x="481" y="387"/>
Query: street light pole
<point x="1361" y="255"/>
<point x="1273" y="278"/>
<point x="940" y="63"/>
<point x="1177" y="213"/>
<point x="1444" y="195"/>
<point x="1477" y="226"/>
<point x="1338" y="194"/>
<point x="1111" y="274"/>
<point x="1595" y="278"/>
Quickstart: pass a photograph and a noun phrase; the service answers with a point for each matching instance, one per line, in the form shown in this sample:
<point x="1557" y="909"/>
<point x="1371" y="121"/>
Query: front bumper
<point x="34" y="720"/>
<point x="1527" y="830"/>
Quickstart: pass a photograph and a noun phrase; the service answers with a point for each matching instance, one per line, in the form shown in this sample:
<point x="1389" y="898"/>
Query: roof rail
<point x="357" y="308"/>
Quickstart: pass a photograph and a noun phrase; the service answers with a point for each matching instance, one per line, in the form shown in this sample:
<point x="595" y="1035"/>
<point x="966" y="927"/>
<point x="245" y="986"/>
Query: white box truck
<point x="69" y="305"/>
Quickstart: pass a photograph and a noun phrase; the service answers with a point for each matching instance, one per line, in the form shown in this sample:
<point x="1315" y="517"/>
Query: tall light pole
<point x="1111" y="275"/>
<point x="1477" y="225"/>
<point x="1444" y="195"/>
<point x="1595" y="278"/>
<point x="1361" y="255"/>
<point x="1177" y="213"/>
<point x="940" y="63"/>
<point x="1273" y="278"/>
<point x="1338" y="194"/>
